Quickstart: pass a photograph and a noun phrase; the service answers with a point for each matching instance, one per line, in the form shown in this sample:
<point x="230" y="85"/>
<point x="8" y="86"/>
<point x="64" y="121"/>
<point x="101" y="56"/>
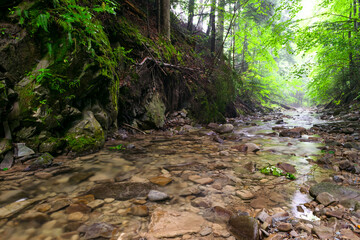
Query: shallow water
<point x="150" y="157"/>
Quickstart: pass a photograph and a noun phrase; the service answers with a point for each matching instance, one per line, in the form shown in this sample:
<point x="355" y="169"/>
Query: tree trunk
<point x="165" y="18"/>
<point x="213" y="27"/>
<point x="221" y="16"/>
<point x="191" y="15"/>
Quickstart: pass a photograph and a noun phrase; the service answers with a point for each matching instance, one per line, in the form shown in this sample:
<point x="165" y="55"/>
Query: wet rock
<point x="97" y="230"/>
<point x="15" y="207"/>
<point x="96" y="203"/>
<point x="59" y="204"/>
<point x="225" y="128"/>
<point x="348" y="234"/>
<point x="281" y="121"/>
<point x="262" y="216"/>
<point x="22" y="150"/>
<point x="284" y="227"/>
<point x="205" y="231"/>
<point x="78" y="207"/>
<point x="11" y="195"/>
<point x="80" y="177"/>
<point x="326" y="198"/>
<point x="43" y="175"/>
<point x="323" y="232"/>
<point x="293" y="133"/>
<point x="259" y="203"/>
<point x="154" y="116"/>
<point x="347" y="196"/>
<point x="26" y="133"/>
<point x="121" y="191"/>
<point x="139" y="210"/>
<point x="43" y="161"/>
<point x="203" y="181"/>
<point x="250" y="166"/>
<point x="286" y="167"/>
<point x="160" y="180"/>
<point x="220" y="231"/>
<point x="155" y="195"/>
<point x="167" y="224"/>
<point x="201" y="203"/>
<point x="241" y="148"/>
<point x="77" y="217"/>
<point x="245" y="194"/>
<point x="34" y="216"/>
<point x="337" y="213"/>
<point x="280" y="216"/>
<point x="252" y="147"/>
<point x="218" y="139"/>
<point x="8" y="161"/>
<point x="244" y="227"/>
<point x="190" y="191"/>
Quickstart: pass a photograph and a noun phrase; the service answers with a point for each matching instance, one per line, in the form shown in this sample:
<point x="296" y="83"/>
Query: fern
<point x="42" y="21"/>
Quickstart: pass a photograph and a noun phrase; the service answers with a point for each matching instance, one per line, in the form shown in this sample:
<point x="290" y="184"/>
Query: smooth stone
<point x="97" y="230"/>
<point x="160" y="180"/>
<point x="284" y="227"/>
<point x="43" y="175"/>
<point x="11" y="195"/>
<point x="244" y="227"/>
<point x="155" y="195"/>
<point x="170" y="223"/>
<point x="225" y="128"/>
<point x="252" y="147"/>
<point x="121" y="190"/>
<point x="286" y="167"/>
<point x="326" y="198"/>
<point x="262" y="216"/>
<point x="245" y="194"/>
<point x="205" y="231"/>
<point x="96" y="203"/>
<point x="258" y="203"/>
<point x="15" y="207"/>
<point x="348" y="234"/>
<point x="323" y="232"/>
<point x="140" y="210"/>
<point x="203" y="181"/>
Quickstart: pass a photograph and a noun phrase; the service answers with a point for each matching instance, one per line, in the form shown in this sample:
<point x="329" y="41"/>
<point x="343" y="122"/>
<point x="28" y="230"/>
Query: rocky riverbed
<point x="195" y="182"/>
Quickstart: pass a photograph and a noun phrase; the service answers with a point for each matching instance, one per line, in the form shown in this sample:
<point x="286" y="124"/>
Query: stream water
<point x="176" y="155"/>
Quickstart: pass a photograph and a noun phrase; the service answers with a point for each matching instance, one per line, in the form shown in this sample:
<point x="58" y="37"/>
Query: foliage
<point x="118" y="147"/>
<point x="277" y="172"/>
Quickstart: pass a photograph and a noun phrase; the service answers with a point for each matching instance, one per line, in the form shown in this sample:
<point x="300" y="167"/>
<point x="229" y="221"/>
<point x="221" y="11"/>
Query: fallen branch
<point x="135" y="9"/>
<point x="134" y="128"/>
<point x="165" y="64"/>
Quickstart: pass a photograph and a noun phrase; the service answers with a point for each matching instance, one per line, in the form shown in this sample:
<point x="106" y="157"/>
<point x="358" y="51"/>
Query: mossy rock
<point x="51" y="145"/>
<point x="155" y="112"/>
<point x="5" y="146"/>
<point x="85" y="136"/>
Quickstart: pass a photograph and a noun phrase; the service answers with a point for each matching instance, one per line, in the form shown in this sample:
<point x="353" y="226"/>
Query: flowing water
<point x="176" y="155"/>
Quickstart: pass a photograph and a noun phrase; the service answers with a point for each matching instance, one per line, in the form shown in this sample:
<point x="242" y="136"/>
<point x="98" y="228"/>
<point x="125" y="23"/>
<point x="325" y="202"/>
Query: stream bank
<point x="191" y="182"/>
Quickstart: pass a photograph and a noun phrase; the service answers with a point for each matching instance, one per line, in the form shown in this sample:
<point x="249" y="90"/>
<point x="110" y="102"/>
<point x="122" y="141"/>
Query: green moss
<point x="77" y="143"/>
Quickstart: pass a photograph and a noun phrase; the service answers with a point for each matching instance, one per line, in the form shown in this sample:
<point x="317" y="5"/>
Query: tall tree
<point x="165" y="18"/>
<point x="221" y="19"/>
<point x="213" y="26"/>
<point x="191" y="15"/>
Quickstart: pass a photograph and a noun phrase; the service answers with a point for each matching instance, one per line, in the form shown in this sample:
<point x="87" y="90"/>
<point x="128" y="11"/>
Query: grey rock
<point x="26" y="133"/>
<point x="244" y="227"/>
<point x="22" y="150"/>
<point x="262" y="216"/>
<point x="155" y="195"/>
<point x="225" y="128"/>
<point x="323" y="232"/>
<point x="348" y="197"/>
<point x="155" y="112"/>
<point x="98" y="230"/>
<point x="325" y="198"/>
<point x="8" y="161"/>
<point x="5" y="146"/>
<point x="121" y="191"/>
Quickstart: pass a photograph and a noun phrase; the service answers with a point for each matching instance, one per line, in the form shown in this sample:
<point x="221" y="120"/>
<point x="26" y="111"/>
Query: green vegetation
<point x="277" y="172"/>
<point x="118" y="147"/>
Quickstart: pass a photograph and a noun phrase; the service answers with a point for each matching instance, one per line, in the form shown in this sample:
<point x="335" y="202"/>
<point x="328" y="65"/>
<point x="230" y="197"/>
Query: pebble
<point x="155" y="195"/>
<point x="284" y="227"/>
<point x="109" y="200"/>
<point x="43" y="175"/>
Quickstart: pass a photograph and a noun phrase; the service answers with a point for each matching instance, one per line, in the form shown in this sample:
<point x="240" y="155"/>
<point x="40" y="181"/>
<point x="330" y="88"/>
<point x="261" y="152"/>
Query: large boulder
<point x="154" y="116"/>
<point x="86" y="135"/>
<point x="348" y="197"/>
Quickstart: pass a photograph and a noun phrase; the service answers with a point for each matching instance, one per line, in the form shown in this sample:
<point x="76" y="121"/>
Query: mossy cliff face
<point x="70" y="69"/>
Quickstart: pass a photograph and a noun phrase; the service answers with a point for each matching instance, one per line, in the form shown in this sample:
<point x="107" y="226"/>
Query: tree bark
<point x="191" y="15"/>
<point x="221" y="16"/>
<point x="165" y="18"/>
<point x="213" y="27"/>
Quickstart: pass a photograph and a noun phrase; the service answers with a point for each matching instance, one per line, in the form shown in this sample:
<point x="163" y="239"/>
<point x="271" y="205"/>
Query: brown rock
<point x="284" y="227"/>
<point x="168" y="224"/>
<point x="286" y="167"/>
<point x="139" y="210"/>
<point x="78" y="207"/>
<point x="203" y="181"/>
<point x="245" y="194"/>
<point x="244" y="227"/>
<point x="43" y="175"/>
<point x="258" y="203"/>
<point x="160" y="180"/>
<point x="323" y="232"/>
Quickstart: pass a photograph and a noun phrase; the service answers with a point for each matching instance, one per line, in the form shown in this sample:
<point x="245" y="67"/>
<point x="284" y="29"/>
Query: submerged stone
<point x="121" y="191"/>
<point x="244" y="227"/>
